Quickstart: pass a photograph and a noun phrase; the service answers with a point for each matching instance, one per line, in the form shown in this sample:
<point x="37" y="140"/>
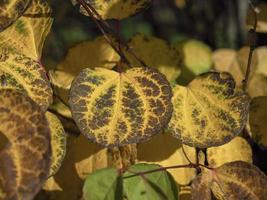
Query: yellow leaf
<point x="10" y="10"/>
<point x="209" y="111"/>
<point x="258" y="120"/>
<point x="82" y="158"/>
<point x="171" y="154"/>
<point x="236" y="149"/>
<point x="58" y="142"/>
<point x="25" y="159"/>
<point x="101" y="55"/>
<point x="115" y="109"/>
<point x="232" y="181"/>
<point x="197" y="56"/>
<point x="225" y="60"/>
<point x="117" y="9"/>
<point x="20" y="72"/>
<point x="60" y="108"/>
<point x="27" y="35"/>
<point x="156" y="53"/>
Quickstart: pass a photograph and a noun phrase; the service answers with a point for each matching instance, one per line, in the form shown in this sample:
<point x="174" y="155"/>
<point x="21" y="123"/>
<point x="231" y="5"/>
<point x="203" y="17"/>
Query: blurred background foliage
<point x="220" y="24"/>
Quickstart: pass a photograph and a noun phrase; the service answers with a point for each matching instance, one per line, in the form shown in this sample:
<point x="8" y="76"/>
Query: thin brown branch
<point x="185" y="154"/>
<point x="252" y="33"/>
<point x="191" y="165"/>
<point x="104" y="28"/>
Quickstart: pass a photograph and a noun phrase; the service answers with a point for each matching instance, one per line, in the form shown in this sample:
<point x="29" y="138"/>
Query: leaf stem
<point x="252" y="45"/>
<point x="190" y="165"/>
<point x="104" y="28"/>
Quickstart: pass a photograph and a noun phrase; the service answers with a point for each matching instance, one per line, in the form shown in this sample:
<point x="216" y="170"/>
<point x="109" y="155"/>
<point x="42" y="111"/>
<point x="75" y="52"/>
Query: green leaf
<point x="104" y="184"/>
<point x="209" y="111"/>
<point x="157" y="185"/>
<point x="10" y="10"/>
<point x="114" y="109"/>
<point x="25" y="159"/>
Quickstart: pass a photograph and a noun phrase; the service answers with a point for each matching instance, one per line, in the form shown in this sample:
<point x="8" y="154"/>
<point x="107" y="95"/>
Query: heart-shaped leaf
<point x="116" y="9"/>
<point x="115" y="109"/>
<point x="209" y="111"/>
<point x="20" y="72"/>
<point x="232" y="181"/>
<point x="25" y="159"/>
<point x="157" y="185"/>
<point x="104" y="184"/>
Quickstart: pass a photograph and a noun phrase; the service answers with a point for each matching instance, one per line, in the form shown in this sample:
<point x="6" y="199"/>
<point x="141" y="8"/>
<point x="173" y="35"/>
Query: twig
<point x="252" y="45"/>
<point x="102" y="25"/>
<point x="187" y="158"/>
<point x="191" y="165"/>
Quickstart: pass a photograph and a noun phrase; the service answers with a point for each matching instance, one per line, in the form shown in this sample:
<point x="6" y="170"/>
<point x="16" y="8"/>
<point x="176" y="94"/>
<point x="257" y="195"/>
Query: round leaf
<point x="232" y="181"/>
<point x="197" y="56"/>
<point x="117" y="9"/>
<point x="27" y="34"/>
<point x="209" y="111"/>
<point x="156" y="186"/>
<point x="104" y="184"/>
<point x="115" y="109"/>
<point x="58" y="142"/>
<point x="25" y="160"/>
<point x="11" y="10"/>
<point x="157" y="54"/>
<point x="20" y="72"/>
<point x="77" y="58"/>
<point x="236" y="149"/>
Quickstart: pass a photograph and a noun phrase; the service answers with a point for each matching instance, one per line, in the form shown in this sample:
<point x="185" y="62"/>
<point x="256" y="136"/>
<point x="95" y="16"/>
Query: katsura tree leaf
<point x="60" y="108"/>
<point x="27" y="34"/>
<point x="104" y="184"/>
<point x="171" y="154"/>
<point x="82" y="158"/>
<point x="209" y="111"/>
<point x="116" y="9"/>
<point x="157" y="54"/>
<point x="20" y="72"/>
<point x="196" y="56"/>
<point x="225" y="60"/>
<point x="232" y="181"/>
<point x="25" y="160"/>
<point x="58" y="142"/>
<point x="95" y="53"/>
<point x="10" y="10"/>
<point x="236" y="149"/>
<point x="258" y="120"/>
<point x="156" y="185"/>
<point x="115" y="109"/>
